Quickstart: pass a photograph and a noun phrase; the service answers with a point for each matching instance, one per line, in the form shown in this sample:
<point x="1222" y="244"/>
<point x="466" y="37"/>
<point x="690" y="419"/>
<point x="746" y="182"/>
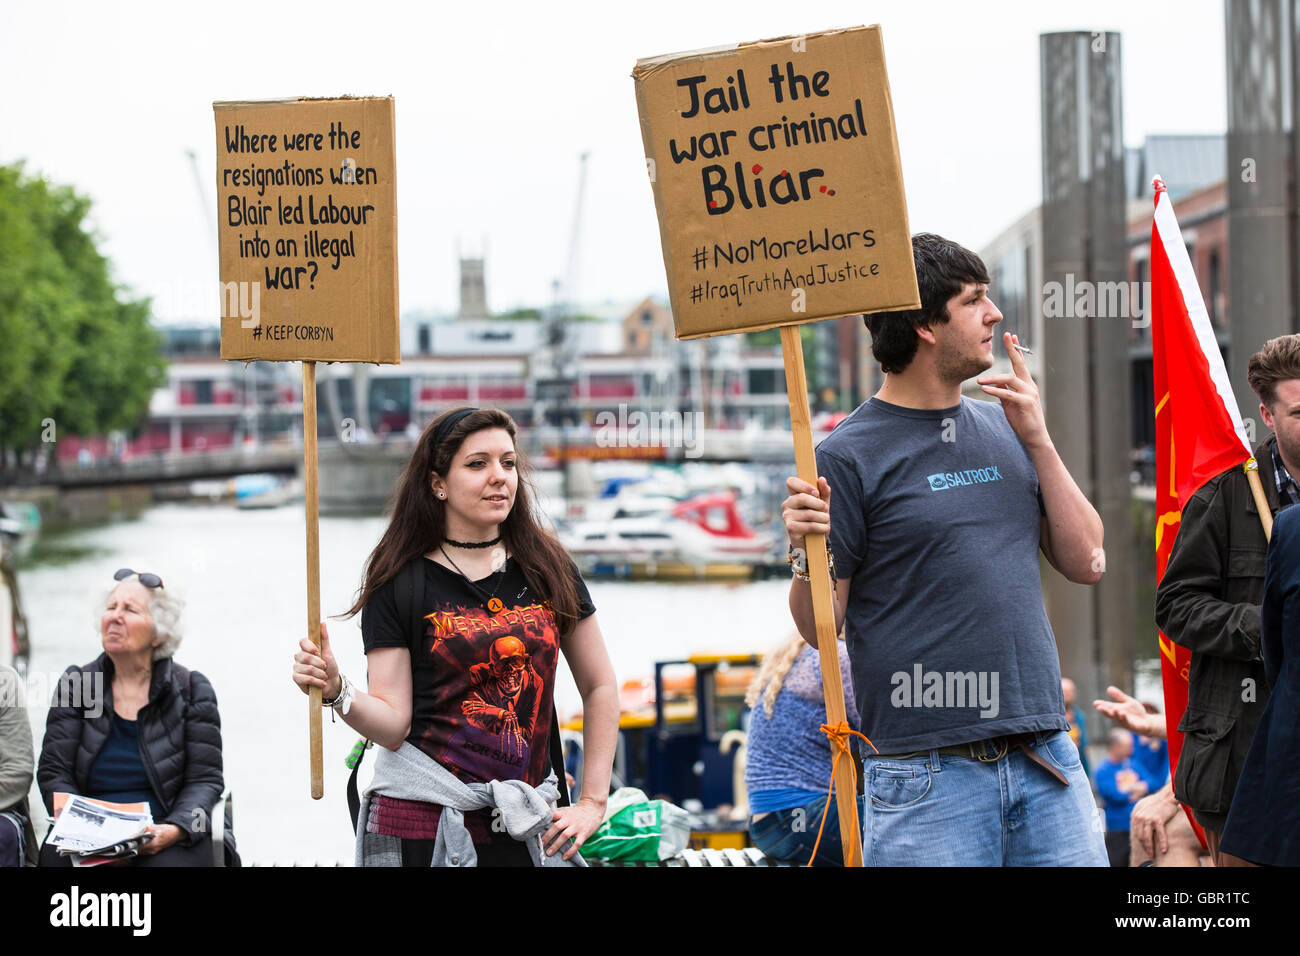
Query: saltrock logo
<point x="971" y="476"/>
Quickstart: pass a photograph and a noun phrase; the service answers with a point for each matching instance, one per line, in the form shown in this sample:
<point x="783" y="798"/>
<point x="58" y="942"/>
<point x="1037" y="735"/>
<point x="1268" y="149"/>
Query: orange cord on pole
<point x="839" y="736"/>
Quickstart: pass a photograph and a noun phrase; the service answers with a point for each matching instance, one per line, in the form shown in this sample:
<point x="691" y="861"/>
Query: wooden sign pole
<point x="796" y="387"/>
<point x="311" y="493"/>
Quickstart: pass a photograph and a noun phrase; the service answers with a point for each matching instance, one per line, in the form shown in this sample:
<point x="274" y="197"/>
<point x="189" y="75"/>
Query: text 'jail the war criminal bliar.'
<point x="776" y="175"/>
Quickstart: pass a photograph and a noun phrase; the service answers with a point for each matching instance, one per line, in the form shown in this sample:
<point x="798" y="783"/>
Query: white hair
<point x="165" y="608"/>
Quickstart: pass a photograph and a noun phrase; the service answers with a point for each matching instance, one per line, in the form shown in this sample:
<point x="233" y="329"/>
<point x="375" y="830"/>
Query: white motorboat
<point x="703" y="536"/>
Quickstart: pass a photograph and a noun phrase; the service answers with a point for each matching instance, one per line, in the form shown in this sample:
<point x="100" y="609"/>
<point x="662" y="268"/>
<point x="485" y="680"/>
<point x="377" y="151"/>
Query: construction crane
<point x="562" y="351"/>
<point x="575" y="235"/>
<point x="555" y="331"/>
<point x="565" y="291"/>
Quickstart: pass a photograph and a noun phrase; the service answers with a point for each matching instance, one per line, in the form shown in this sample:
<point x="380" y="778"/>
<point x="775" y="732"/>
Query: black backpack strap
<point x="354" y="798"/>
<point x="557" y="759"/>
<point x="409" y="609"/>
<point x="556" y="743"/>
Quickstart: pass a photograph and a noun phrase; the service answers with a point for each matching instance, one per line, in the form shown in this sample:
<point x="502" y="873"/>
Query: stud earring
<point x="441" y="495"/>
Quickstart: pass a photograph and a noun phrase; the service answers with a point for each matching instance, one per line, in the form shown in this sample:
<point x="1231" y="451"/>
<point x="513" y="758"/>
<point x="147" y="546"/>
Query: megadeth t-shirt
<point x="482" y="682"/>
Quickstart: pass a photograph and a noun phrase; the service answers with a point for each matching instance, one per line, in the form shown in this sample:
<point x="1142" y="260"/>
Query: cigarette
<point x="1023" y="350"/>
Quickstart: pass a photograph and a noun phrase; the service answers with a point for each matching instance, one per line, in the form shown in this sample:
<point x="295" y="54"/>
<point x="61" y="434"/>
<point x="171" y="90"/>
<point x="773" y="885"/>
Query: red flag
<point x="1199" y="433"/>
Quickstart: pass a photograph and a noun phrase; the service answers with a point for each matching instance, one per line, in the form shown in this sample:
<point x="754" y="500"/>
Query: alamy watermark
<point x="639" y="429"/>
<point x="80" y="690"/>
<point x="242" y="300"/>
<point x="1097" y="300"/>
<point x="956" y="689"/>
<point x="76" y="908"/>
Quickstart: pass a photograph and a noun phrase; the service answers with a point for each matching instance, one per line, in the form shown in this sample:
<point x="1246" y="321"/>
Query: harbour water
<point x="243" y="577"/>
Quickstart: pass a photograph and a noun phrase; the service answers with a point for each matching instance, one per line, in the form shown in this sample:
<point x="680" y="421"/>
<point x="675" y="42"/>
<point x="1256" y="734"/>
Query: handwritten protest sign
<point x="780" y="198"/>
<point x="777" y="181"/>
<point x="307" y="213"/>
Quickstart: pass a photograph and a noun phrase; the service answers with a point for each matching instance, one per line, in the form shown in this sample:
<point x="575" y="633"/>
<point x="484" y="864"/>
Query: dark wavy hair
<point x="419" y="520"/>
<point x="1277" y="361"/>
<point x="942" y="269"/>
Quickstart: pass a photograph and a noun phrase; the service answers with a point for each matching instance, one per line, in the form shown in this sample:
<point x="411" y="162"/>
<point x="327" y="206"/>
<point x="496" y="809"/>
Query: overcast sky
<point x="495" y="100"/>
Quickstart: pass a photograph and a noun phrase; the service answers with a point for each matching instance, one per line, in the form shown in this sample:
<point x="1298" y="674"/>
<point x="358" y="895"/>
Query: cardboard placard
<point x="777" y="182"/>
<point x="307" y="214"/>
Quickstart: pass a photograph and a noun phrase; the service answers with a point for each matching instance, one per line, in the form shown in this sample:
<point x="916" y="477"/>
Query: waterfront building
<point x="1193" y="169"/>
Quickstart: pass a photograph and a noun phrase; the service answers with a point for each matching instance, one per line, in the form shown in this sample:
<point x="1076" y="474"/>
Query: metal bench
<point x="691" y="859"/>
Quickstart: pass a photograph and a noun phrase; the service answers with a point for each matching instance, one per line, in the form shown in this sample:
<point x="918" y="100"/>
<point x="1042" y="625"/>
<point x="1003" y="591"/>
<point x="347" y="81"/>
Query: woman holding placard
<point x="466" y="604"/>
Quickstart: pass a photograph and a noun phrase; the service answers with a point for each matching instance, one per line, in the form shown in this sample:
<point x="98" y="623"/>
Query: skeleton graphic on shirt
<point x="504" y="692"/>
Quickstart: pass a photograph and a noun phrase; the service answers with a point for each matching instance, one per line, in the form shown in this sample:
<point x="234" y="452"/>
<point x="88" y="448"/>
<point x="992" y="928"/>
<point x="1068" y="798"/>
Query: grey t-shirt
<point x="935" y="517"/>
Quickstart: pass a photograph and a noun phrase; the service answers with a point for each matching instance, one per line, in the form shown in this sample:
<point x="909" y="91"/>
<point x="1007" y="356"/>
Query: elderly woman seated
<point x="143" y="728"/>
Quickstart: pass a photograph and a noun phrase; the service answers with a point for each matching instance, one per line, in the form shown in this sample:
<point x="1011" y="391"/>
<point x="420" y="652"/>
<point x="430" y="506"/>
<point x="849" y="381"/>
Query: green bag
<point x="639" y="829"/>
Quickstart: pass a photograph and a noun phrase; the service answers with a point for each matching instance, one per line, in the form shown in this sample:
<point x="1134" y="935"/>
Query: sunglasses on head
<point x="147" y="578"/>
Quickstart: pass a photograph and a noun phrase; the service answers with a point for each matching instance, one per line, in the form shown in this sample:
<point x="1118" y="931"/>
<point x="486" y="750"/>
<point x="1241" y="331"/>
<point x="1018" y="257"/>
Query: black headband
<point x="444" y="428"/>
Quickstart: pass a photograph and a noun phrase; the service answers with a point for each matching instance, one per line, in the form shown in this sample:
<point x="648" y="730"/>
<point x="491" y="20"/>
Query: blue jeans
<point x="789" y="835"/>
<point x="942" y="810"/>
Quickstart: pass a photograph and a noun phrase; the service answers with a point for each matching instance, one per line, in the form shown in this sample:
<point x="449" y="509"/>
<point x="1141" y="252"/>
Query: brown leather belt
<point x="1001" y="746"/>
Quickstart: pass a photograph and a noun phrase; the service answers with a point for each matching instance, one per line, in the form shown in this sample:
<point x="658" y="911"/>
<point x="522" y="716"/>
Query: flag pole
<point x="1251" y="468"/>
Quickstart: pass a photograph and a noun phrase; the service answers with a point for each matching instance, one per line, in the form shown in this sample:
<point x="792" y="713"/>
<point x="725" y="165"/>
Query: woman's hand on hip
<point x="572" y="825"/>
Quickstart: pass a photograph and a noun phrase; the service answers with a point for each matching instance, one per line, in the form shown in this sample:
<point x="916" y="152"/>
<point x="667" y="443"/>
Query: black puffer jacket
<point x="180" y="741"/>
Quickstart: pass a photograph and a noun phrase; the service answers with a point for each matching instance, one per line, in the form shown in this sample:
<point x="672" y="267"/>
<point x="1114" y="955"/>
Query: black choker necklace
<point x="473" y="544"/>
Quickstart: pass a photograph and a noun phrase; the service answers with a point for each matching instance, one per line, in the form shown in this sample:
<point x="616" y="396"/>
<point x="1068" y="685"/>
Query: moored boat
<point x="14" y="640"/>
<point x="20" y="521"/>
<point x="701" y="538"/>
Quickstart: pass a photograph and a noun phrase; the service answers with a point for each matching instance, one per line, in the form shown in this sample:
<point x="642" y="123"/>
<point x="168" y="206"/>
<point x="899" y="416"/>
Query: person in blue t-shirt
<point x="1122" y="782"/>
<point x="1151" y="755"/>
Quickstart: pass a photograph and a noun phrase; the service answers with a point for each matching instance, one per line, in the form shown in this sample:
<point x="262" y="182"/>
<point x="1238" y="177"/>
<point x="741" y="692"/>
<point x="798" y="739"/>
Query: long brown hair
<point x="419" y="520"/>
<point x="766" y="685"/>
